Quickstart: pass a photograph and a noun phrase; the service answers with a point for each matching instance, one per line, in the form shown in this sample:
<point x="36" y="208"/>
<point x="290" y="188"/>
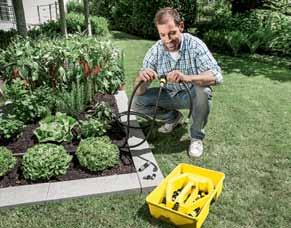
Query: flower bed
<point x="58" y="95"/>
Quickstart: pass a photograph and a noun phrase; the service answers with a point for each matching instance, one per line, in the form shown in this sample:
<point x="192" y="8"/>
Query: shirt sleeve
<point x="150" y="60"/>
<point x="205" y="61"/>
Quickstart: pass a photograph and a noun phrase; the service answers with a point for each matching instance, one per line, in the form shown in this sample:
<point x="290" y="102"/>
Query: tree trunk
<point x="63" y="18"/>
<point x="20" y="17"/>
<point x="87" y="17"/>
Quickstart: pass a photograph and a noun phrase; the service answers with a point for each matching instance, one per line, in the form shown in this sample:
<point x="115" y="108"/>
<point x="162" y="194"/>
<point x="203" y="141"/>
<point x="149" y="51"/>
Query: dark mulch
<point x="75" y="171"/>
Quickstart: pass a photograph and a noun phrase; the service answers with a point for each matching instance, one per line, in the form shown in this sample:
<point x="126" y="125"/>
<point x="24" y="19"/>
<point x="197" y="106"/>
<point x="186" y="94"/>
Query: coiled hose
<point x="128" y="113"/>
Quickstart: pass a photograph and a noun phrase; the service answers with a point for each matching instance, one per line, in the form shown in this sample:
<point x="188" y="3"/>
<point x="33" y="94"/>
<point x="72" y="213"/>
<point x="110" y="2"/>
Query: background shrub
<point x="137" y="17"/>
<point x="75" y="6"/>
<point x="261" y="31"/>
<point x="97" y="154"/>
<point x="44" y="161"/>
<point x="7" y="161"/>
<point x="6" y="37"/>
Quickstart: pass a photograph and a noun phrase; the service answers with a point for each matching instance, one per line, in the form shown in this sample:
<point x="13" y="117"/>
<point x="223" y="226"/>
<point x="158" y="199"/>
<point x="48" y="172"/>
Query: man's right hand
<point x="147" y="75"/>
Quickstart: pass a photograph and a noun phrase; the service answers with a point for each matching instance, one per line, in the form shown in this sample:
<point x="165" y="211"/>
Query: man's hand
<point x="175" y="76"/>
<point x="147" y="75"/>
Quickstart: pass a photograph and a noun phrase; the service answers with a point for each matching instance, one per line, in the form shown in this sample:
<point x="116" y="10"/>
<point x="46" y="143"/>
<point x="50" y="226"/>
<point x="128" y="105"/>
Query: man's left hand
<point x="175" y="76"/>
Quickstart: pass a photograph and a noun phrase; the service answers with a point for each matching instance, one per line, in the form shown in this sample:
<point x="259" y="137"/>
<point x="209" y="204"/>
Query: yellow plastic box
<point x="159" y="210"/>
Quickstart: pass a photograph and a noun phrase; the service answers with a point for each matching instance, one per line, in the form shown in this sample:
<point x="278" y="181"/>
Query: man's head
<point x="170" y="28"/>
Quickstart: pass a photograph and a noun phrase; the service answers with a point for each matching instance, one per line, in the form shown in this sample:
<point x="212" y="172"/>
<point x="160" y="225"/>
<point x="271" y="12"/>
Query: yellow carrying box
<point x="156" y="200"/>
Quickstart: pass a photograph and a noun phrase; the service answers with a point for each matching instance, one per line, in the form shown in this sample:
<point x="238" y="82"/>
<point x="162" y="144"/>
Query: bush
<point x="92" y="128"/>
<point x="7" y="161"/>
<point x="255" y="31"/>
<point x="6" y="37"/>
<point x="10" y="127"/>
<point x="97" y="154"/>
<point x="25" y="105"/>
<point x="137" y="17"/>
<point x="55" y="128"/>
<point x="75" y="6"/>
<point x="44" y="161"/>
<point x="103" y="112"/>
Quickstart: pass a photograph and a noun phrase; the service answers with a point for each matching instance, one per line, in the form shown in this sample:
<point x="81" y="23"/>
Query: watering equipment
<point x="184" y="196"/>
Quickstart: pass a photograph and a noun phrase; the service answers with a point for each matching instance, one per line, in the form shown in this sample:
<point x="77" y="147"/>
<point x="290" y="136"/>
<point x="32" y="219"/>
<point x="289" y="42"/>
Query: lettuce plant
<point x="44" y="161"/>
<point x="7" y="161"/>
<point x="97" y="154"/>
<point x="55" y="128"/>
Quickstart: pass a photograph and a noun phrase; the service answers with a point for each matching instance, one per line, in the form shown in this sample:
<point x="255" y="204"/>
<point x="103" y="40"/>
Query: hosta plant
<point x="44" y="161"/>
<point x="92" y="128"/>
<point x="7" y="161"/>
<point x="56" y="128"/>
<point x="97" y="154"/>
<point x="10" y="127"/>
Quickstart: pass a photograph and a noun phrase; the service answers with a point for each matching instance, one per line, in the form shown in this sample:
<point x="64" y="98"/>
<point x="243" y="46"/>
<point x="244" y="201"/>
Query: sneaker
<point x="169" y="127"/>
<point x="195" y="148"/>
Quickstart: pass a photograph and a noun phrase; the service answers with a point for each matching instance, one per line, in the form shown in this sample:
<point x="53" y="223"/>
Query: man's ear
<point x="181" y="26"/>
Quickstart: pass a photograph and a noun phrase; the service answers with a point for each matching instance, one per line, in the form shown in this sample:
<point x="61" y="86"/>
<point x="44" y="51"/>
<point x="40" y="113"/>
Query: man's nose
<point x="168" y="38"/>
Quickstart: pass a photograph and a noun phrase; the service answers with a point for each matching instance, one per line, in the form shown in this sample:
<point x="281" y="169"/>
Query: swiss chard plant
<point x="97" y="154"/>
<point x="44" y="161"/>
<point x="7" y="161"/>
<point x="56" y="128"/>
<point x="59" y="62"/>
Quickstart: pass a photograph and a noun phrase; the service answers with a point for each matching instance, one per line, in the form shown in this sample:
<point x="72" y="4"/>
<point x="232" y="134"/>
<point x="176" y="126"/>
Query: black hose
<point x="128" y="113"/>
<point x="191" y="101"/>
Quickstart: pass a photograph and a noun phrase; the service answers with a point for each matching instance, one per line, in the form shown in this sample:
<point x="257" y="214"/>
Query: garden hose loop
<point x="163" y="82"/>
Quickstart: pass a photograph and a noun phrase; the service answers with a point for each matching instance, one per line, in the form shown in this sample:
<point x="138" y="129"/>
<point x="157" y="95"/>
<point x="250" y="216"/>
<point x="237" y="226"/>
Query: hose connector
<point x="163" y="80"/>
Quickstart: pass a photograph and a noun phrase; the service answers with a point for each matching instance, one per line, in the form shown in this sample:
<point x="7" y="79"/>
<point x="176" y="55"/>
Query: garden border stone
<point x="132" y="182"/>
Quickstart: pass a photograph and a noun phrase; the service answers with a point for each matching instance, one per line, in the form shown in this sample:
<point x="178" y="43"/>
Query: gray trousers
<point x="169" y="103"/>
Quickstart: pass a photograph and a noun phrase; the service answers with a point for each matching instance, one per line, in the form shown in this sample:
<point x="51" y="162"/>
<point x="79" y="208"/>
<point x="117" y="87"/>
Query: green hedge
<point x="52" y="29"/>
<point x="137" y="17"/>
<point x="258" y="31"/>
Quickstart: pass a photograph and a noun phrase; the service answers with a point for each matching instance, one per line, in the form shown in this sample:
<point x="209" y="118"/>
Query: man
<point x="181" y="57"/>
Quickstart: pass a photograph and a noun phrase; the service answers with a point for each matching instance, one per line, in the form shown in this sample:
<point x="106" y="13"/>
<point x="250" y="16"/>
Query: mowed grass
<point x="248" y="138"/>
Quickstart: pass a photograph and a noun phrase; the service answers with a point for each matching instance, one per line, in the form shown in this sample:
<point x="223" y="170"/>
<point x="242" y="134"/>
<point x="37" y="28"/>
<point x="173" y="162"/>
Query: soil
<point x="75" y="171"/>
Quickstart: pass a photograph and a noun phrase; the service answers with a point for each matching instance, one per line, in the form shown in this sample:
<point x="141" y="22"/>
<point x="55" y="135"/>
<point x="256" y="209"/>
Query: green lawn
<point x="248" y="138"/>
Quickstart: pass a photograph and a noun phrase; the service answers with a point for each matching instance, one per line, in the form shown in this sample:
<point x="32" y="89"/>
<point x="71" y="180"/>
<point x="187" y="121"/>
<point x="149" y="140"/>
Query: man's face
<point x="171" y="34"/>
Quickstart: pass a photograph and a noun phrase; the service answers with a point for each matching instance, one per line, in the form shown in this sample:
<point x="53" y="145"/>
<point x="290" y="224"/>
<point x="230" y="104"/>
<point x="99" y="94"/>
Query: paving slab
<point x="93" y="186"/>
<point x="142" y="154"/>
<point x="23" y="194"/>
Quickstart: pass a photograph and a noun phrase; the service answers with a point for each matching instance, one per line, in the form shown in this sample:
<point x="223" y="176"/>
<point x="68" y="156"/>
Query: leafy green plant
<point x="97" y="154"/>
<point x="75" y="6"/>
<point x="44" y="161"/>
<point x="26" y="105"/>
<point x="102" y="111"/>
<point x="58" y="63"/>
<point x="75" y="101"/>
<point x="7" y="161"/>
<point x="92" y="128"/>
<point x="235" y="39"/>
<point x="10" y="127"/>
<point x="56" y="128"/>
